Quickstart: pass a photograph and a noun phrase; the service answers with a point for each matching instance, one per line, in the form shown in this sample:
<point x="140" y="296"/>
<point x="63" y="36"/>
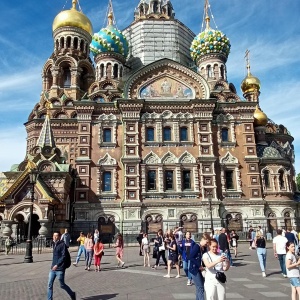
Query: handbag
<point x="161" y="248"/>
<point x="220" y="276"/>
<point x="253" y="245"/>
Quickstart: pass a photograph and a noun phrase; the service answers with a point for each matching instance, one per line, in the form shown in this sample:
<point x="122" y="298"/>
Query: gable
<point x="166" y="79"/>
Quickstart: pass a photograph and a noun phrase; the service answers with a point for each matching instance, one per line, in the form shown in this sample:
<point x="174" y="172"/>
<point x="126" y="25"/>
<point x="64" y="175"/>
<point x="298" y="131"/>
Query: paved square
<point x="19" y="281"/>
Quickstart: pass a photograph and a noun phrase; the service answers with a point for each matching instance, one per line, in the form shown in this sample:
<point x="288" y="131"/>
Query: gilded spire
<point x="46" y="137"/>
<point x="207" y="18"/>
<point x="110" y="15"/>
<point x="74" y="2"/>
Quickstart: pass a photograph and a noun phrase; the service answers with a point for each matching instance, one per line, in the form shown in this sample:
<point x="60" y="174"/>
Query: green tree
<point x="298" y="182"/>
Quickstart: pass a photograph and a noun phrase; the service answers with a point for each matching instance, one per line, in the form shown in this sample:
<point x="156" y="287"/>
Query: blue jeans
<point x="199" y="284"/>
<point x="80" y="251"/>
<point x="89" y="257"/>
<point x="228" y="255"/>
<point x="186" y="266"/>
<point x="262" y="257"/>
<point x="281" y="258"/>
<point x="61" y="278"/>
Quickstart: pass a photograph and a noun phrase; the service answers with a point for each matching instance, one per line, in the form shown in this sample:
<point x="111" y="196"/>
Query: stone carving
<point x="107" y="160"/>
<point x="151" y="158"/>
<point x="229" y="159"/>
<point x="169" y="158"/>
<point x="187" y="158"/>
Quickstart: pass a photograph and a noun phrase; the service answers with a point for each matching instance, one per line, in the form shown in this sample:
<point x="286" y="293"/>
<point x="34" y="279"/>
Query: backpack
<point x="67" y="262"/>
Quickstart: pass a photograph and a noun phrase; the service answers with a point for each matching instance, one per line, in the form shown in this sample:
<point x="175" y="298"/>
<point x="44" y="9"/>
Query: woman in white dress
<point x="214" y="262"/>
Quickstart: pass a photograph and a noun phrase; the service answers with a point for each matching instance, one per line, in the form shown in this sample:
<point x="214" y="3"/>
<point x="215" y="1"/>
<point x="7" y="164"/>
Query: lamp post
<point x="209" y="197"/>
<point x="33" y="176"/>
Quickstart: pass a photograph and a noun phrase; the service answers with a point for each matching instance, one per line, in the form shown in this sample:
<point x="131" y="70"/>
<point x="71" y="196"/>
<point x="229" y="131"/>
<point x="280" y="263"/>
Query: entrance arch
<point x="272" y="223"/>
<point x="287" y="221"/>
<point x="153" y="223"/>
<point x="189" y="223"/>
<point x="107" y="228"/>
<point x="234" y="222"/>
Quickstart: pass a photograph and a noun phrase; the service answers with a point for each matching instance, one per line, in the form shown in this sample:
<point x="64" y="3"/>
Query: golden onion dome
<point x="260" y="118"/>
<point x="74" y="18"/>
<point x="250" y="84"/>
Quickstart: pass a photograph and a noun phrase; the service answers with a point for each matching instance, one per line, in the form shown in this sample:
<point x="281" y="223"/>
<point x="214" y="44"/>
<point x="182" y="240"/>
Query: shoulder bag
<point x="220" y="276"/>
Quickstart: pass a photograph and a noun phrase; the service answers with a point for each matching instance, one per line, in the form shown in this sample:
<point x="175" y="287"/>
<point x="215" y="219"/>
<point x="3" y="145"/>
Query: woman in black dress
<point x="173" y="256"/>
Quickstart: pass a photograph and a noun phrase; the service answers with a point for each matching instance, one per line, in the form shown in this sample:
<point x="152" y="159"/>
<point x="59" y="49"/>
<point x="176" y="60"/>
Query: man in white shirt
<point x="279" y="247"/>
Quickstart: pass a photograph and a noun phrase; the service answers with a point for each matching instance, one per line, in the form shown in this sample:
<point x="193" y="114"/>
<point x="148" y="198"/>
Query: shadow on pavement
<point x="101" y="297"/>
<point x="274" y="273"/>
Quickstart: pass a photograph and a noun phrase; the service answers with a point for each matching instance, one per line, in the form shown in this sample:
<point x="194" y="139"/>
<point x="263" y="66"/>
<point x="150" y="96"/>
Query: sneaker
<point x="284" y="275"/>
<point x="250" y="248"/>
<point x="85" y="268"/>
<point x="75" y="264"/>
<point x="89" y="269"/>
<point x="167" y="276"/>
<point x="178" y="276"/>
<point x="123" y="264"/>
<point x="263" y="274"/>
<point x="188" y="282"/>
<point x="74" y="296"/>
<point x="154" y="267"/>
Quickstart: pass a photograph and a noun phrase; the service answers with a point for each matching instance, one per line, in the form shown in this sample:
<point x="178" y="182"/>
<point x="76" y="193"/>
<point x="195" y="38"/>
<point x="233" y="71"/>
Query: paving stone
<point x="255" y="286"/>
<point x="240" y="279"/>
<point x="234" y="296"/>
<point x="274" y="294"/>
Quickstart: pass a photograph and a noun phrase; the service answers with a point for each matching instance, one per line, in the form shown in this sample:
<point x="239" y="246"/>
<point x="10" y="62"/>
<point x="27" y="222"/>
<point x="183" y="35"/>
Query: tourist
<point x="66" y="237"/>
<point x="292" y="268"/>
<point x="139" y="238"/>
<point x="290" y="236"/>
<point x="161" y="252"/>
<point x="96" y="235"/>
<point x="89" y="246"/>
<point x="146" y="250"/>
<point x="196" y="269"/>
<point x="185" y="250"/>
<point x="260" y="243"/>
<point x="250" y="236"/>
<point x="58" y="267"/>
<point x="8" y="244"/>
<point x="119" y="250"/>
<point x="173" y="256"/>
<point x="294" y="232"/>
<point x="234" y="241"/>
<point x="279" y="247"/>
<point x="214" y="262"/>
<point x="216" y="234"/>
<point x="81" y="248"/>
<point x="98" y="253"/>
<point x="224" y="245"/>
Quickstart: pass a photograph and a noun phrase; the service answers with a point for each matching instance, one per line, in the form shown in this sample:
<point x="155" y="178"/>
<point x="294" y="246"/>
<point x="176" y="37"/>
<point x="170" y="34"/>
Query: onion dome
<point x="74" y="18"/>
<point x="260" y="118"/>
<point x="250" y="84"/>
<point x="209" y="41"/>
<point x="109" y="39"/>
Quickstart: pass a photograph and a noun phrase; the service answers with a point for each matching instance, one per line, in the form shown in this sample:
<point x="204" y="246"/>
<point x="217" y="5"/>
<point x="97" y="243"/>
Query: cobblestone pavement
<point x="135" y="282"/>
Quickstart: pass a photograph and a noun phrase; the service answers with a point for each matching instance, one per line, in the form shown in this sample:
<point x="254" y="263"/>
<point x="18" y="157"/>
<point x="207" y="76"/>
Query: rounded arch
<point x="153" y="212"/>
<point x="59" y="114"/>
<point x="18" y="208"/>
<point x="98" y="215"/>
<point x="287" y="211"/>
<point x="66" y="60"/>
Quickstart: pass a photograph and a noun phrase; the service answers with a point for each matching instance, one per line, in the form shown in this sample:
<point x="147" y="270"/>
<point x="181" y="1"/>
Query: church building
<point x="142" y="129"/>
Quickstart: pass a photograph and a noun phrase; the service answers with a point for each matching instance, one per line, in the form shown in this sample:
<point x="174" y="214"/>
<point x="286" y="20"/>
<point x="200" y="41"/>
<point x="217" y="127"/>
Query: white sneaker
<point x="167" y="276"/>
<point x="263" y="274"/>
<point x="188" y="282"/>
<point x="178" y="276"/>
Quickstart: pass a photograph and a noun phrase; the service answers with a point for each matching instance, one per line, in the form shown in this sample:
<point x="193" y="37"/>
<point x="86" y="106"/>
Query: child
<point x="98" y="253"/>
<point x="292" y="268"/>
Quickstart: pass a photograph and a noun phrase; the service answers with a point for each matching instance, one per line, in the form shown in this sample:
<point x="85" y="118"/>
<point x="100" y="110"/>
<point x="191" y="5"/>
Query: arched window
<point x="121" y="72"/>
<point x="209" y="71"/>
<point x="56" y="45"/>
<point x="101" y="71"/>
<point x="224" y="134"/>
<point x="150" y="134"/>
<point x="62" y="42"/>
<point x="167" y="134"/>
<point x="229" y="179"/>
<point x="155" y="7"/>
<point x="115" y="71"/>
<point x="266" y="178"/>
<point x="183" y="134"/>
<point x="151" y="180"/>
<point x="66" y="77"/>
<point x="281" y="180"/>
<point x="108" y="70"/>
<point x="222" y="72"/>
<point x="68" y="42"/>
<point x="81" y="45"/>
<point x="106" y="182"/>
<point x="107" y="135"/>
<point x="186" y="179"/>
<point x="76" y="43"/>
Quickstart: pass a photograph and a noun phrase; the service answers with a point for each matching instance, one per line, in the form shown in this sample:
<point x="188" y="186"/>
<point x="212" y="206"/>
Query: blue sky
<point x="269" y="29"/>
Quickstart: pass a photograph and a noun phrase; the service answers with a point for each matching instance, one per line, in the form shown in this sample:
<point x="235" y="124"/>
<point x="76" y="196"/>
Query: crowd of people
<point x="204" y="263"/>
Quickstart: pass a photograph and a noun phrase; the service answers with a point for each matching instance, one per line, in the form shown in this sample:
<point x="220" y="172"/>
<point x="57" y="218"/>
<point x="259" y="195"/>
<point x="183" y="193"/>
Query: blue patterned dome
<point x="210" y="41"/>
<point x="109" y="39"/>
